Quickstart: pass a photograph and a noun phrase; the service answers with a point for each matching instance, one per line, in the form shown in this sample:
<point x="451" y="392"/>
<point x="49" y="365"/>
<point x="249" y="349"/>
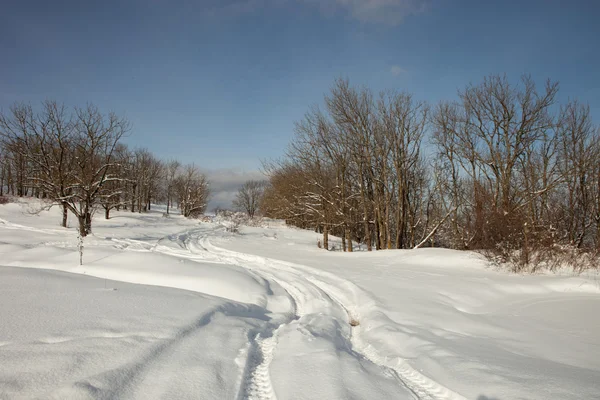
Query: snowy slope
<point x="480" y="332"/>
<point x="69" y="336"/>
<point x="266" y="314"/>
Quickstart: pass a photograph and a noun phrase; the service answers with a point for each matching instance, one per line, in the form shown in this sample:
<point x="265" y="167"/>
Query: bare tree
<point x="403" y="123"/>
<point x="487" y="140"/>
<point x="192" y="190"/>
<point x="170" y="175"/>
<point x="363" y="176"/>
<point x="96" y="137"/>
<point x="70" y="154"/>
<point x="577" y="155"/>
<point x="113" y="194"/>
<point x="249" y="196"/>
<point x="280" y="196"/>
<point x="4" y="168"/>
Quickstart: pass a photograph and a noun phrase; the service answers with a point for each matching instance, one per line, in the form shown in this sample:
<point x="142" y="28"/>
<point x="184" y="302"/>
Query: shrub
<point x="552" y="258"/>
<point x="234" y="226"/>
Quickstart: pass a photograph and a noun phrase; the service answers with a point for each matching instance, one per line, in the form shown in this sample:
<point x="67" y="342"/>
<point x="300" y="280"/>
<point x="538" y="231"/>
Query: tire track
<point x="422" y="387"/>
<point x="256" y="382"/>
<point x="262" y="341"/>
<point x="129" y="380"/>
<point x="309" y="291"/>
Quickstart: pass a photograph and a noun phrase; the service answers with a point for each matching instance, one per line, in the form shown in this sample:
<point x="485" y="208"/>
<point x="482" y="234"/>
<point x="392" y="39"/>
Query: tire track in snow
<point x="11" y="225"/>
<point x="128" y="380"/>
<point x="422" y="387"/>
<point x="256" y="382"/>
<point x="194" y="244"/>
<point x="259" y="386"/>
<point x="189" y="244"/>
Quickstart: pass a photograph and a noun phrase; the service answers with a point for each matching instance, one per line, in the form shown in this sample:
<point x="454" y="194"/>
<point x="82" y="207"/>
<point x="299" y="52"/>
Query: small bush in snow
<point x="234" y="220"/>
<point x="233" y="226"/>
<point x="4" y="200"/>
<point x="552" y="258"/>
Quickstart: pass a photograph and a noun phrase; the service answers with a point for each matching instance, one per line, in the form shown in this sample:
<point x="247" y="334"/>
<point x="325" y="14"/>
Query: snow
<point x="176" y="308"/>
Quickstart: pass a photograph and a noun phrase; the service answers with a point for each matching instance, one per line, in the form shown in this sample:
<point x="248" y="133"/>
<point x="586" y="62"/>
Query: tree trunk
<point x="325" y="237"/>
<point x="133" y="187"/>
<point x="82" y="230"/>
<point x="2" y="183"/>
<point x="597" y="211"/>
<point x="400" y="215"/>
<point x="388" y="231"/>
<point x="525" y="249"/>
<point x="65" y="214"/>
<point x="368" y="238"/>
<point x="88" y="222"/>
<point x="349" y="240"/>
<point x="365" y="209"/>
<point x="107" y="213"/>
<point x="598" y="235"/>
<point x="378" y="229"/>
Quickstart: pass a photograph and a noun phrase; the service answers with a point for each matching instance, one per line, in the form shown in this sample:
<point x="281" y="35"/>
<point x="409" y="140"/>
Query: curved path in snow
<point x="299" y="299"/>
<point x="311" y="292"/>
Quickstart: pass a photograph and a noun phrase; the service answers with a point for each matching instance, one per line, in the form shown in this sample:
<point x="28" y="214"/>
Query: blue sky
<point x="220" y="83"/>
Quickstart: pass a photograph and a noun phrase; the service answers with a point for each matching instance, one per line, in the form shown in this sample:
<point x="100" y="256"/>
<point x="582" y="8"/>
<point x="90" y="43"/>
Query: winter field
<point x="166" y="307"/>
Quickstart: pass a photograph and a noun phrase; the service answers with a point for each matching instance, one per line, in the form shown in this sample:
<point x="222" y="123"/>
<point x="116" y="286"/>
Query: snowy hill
<point x="176" y="308"/>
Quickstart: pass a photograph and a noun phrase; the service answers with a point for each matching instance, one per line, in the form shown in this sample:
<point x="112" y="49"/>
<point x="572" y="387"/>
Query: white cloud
<point x="390" y="12"/>
<point x="224" y="185"/>
<point x="397" y="70"/>
<point x="237" y="7"/>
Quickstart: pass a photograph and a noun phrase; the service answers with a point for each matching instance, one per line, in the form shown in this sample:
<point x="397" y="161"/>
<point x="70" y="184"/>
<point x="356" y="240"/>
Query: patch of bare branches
<point x="504" y="169"/>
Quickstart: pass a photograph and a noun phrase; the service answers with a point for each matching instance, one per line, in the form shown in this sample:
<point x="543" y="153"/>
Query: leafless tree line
<point x="75" y="158"/>
<point x="504" y="168"/>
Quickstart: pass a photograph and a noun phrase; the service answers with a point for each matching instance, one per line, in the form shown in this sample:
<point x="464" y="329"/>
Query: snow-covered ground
<point x="173" y="308"/>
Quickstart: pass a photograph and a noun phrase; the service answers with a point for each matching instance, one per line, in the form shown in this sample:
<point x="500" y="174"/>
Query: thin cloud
<point x="397" y="70"/>
<point x="224" y="185"/>
<point x="237" y="7"/>
<point x="391" y="12"/>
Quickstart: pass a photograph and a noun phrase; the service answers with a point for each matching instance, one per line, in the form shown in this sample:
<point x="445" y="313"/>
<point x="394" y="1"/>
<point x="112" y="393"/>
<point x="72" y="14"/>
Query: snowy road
<point x="169" y="308"/>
